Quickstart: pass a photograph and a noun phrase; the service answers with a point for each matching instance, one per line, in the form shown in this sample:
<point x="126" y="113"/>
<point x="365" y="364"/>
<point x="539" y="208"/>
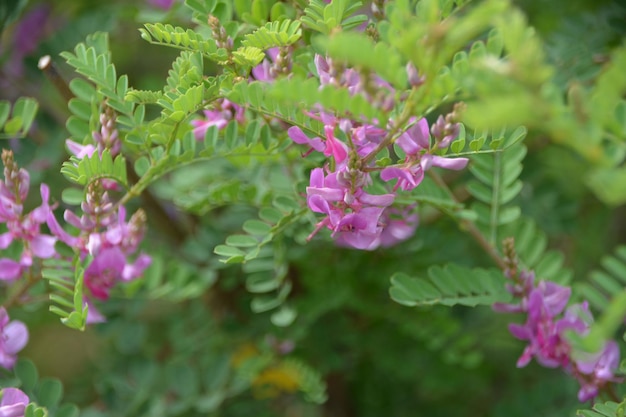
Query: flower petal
<point x="9" y="269"/>
<point x="5" y="240"/>
<point x="13" y="396"/>
<point x="449" y="163"/>
<point x="43" y="246"/>
<point x="15" y="337"/>
<point x="132" y="271"/>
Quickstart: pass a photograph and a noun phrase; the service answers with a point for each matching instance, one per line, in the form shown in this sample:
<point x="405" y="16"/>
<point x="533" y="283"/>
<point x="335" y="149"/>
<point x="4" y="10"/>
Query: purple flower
<point x="331" y="146"/>
<point x="13" y="402"/>
<point x="415" y="142"/>
<point x="545" y="329"/>
<point x="266" y="70"/>
<point x="104" y="271"/>
<point x="599" y="370"/>
<point x="13" y="338"/>
<point x="23" y="228"/>
<point x="445" y="131"/>
<point x="353" y="215"/>
<point x="105" y="234"/>
<point x="397" y="225"/>
<point x="415" y="80"/>
<point x="359" y="230"/>
<point x="93" y="314"/>
<point x="366" y="137"/>
<point x="224" y="111"/>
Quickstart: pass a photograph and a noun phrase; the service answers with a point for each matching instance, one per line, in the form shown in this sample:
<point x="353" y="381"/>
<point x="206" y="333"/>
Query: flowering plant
<point x="225" y="237"/>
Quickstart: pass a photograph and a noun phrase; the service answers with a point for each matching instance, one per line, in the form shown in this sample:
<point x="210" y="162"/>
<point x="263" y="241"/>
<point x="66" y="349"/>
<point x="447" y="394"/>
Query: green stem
<point x="14" y="298"/>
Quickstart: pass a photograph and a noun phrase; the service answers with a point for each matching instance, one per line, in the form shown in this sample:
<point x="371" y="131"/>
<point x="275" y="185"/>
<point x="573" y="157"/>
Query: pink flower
<point x="105" y="234"/>
<point x="331" y="146"/>
<point x="13" y="403"/>
<point x="23" y="228"/>
<point x="224" y="111"/>
<point x="599" y="368"/>
<point x="545" y="329"/>
<point x="397" y="225"/>
<point x="415" y="142"/>
<point x="353" y="215"/>
<point x="13" y="338"/>
<point x="266" y="71"/>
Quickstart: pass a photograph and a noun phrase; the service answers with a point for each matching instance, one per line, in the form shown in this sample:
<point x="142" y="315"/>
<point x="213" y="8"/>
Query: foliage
<point x="227" y="160"/>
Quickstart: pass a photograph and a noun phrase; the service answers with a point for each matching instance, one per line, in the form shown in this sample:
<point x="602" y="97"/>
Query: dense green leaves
<point x="240" y="191"/>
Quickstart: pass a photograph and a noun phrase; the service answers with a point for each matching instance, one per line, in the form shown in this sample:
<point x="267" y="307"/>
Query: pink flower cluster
<point x="356" y="218"/>
<point x="24" y="228"/>
<point x="103" y="231"/>
<point x="222" y="112"/>
<point x="547" y="322"/>
<point x="104" y="234"/>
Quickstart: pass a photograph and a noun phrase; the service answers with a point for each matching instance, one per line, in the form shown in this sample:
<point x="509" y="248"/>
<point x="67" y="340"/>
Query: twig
<point x="49" y="69"/>
<point x="470" y="227"/>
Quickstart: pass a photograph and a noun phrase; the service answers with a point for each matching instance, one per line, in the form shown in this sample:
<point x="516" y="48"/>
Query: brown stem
<point x="49" y="69"/>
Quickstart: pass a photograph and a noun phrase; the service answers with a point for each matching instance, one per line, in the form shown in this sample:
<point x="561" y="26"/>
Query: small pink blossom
<point x="415" y="142"/>
<point x="13" y="338"/>
<point x="13" y="403"/>
<point x="222" y="113"/>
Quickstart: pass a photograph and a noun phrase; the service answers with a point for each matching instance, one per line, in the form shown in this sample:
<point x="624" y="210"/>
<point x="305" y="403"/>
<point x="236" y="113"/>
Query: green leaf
<point x="5" y="111"/>
<point x="27" y="373"/>
<point x="67" y="410"/>
<point x="82" y="89"/>
<point x="284" y="317"/>
<point x="80" y="108"/>
<point x="256" y="227"/>
<point x="241" y="241"/>
<point x="261" y="304"/>
<point x="202" y="7"/>
<point x="49" y="392"/>
<point x="449" y="286"/>
<point x="260" y="283"/>
<point x="72" y="196"/>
